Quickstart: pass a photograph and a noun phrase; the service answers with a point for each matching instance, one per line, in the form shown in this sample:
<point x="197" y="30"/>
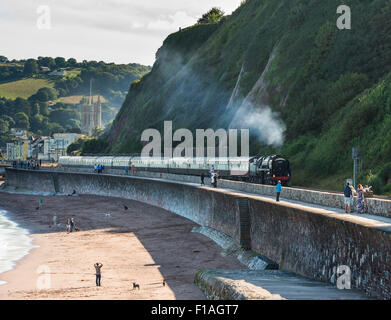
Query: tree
<point x="46" y="94"/>
<point x="4" y="126"/>
<point x="36" y="122"/>
<point x="60" y="62"/>
<point x="55" y="128"/>
<point x="214" y="15"/>
<point x="22" y="105"/>
<point x="76" y="146"/>
<point x="22" y="120"/>
<point x="30" y="67"/>
<point x="8" y="119"/>
<point x="94" y="146"/>
<point x="71" y="62"/>
<point x="44" y="108"/>
<point x="47" y="62"/>
<point x="74" y="130"/>
<point x="35" y="110"/>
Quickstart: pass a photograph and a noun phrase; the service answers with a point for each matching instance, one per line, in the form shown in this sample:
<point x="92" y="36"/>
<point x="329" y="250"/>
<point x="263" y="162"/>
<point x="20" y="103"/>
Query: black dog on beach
<point x="135" y="285"/>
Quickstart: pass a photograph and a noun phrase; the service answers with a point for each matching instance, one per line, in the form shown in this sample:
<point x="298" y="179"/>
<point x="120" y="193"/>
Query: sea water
<point x="14" y="243"/>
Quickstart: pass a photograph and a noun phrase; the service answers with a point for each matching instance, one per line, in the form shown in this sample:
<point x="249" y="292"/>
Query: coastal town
<point x="195" y="160"/>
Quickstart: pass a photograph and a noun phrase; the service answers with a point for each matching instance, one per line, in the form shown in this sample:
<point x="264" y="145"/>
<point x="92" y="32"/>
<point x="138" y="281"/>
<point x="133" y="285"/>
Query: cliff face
<point x="284" y="70"/>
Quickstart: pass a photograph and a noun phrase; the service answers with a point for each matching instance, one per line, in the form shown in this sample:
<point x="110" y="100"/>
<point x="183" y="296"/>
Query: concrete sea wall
<point x="379" y="207"/>
<point x="302" y="240"/>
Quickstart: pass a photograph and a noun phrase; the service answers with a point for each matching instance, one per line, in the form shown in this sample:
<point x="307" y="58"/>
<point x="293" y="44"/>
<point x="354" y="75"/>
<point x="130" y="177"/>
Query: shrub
<point x="214" y="15"/>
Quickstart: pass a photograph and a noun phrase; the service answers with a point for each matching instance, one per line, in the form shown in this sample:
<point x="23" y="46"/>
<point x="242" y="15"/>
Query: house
<point x="18" y="148"/>
<point x="58" y="73"/>
<point x="19" y="133"/>
<point x="45" y="69"/>
<point x="44" y="148"/>
<point x="52" y="148"/>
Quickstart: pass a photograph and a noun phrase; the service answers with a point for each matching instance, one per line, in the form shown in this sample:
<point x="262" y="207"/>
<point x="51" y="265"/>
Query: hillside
<point x="305" y="88"/>
<point x="33" y="98"/>
<point x="24" y="88"/>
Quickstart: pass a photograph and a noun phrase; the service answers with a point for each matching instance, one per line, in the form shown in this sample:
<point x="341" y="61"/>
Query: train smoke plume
<point x="255" y="114"/>
<point x="263" y="123"/>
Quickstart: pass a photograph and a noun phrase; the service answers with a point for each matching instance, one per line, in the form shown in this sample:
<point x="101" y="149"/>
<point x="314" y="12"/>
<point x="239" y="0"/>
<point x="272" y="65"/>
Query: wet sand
<point x="143" y="244"/>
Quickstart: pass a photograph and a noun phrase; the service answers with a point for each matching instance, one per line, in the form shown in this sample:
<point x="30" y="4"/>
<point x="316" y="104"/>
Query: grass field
<point x="23" y="88"/>
<point x="71" y="73"/>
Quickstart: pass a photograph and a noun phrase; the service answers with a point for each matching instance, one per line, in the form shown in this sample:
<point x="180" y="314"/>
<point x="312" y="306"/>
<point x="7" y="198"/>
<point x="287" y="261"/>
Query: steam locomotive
<point x="262" y="170"/>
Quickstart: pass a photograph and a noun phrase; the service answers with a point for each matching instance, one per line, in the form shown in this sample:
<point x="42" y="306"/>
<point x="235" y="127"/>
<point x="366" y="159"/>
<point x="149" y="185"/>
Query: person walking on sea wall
<point x="360" y="199"/>
<point x="202" y="179"/>
<point x="278" y="191"/>
<point x="215" y="178"/>
<point x="212" y="172"/>
<point x="348" y="194"/>
<point x="98" y="266"/>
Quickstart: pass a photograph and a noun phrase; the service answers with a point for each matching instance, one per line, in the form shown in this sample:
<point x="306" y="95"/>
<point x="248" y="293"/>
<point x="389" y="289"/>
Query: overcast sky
<point x="120" y="31"/>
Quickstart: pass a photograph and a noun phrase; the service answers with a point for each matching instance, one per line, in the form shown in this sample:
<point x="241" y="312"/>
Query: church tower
<point x="91" y="114"/>
<point x="98" y="114"/>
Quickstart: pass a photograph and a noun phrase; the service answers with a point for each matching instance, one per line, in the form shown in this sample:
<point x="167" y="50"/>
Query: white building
<point x="52" y="148"/>
<point x="58" y="73"/>
<point x="19" y="133"/>
<point x="19" y="148"/>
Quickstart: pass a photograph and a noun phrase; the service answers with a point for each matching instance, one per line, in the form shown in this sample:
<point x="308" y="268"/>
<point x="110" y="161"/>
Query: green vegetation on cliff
<point x="305" y="88"/>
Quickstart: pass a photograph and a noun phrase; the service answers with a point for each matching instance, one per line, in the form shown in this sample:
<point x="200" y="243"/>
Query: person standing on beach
<point x="68" y="225"/>
<point x="72" y="225"/>
<point x="278" y="191"/>
<point x="98" y="266"/>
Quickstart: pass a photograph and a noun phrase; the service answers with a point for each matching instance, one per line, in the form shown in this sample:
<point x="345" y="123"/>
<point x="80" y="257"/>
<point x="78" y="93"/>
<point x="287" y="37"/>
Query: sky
<point x="119" y="31"/>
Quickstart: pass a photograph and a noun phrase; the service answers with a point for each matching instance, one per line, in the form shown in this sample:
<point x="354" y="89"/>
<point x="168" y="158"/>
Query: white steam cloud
<point x="255" y="114"/>
<point x="264" y="123"/>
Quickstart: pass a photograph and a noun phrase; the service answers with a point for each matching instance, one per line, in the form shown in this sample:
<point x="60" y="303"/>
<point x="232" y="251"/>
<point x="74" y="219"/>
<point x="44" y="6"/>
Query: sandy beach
<point x="143" y="244"/>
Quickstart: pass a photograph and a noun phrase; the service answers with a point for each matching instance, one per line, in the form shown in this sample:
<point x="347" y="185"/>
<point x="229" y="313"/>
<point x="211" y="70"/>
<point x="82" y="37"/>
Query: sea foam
<point x="14" y="243"/>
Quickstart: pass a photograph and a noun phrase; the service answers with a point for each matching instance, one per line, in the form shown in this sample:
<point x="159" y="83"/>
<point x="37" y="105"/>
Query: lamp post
<point x="356" y="155"/>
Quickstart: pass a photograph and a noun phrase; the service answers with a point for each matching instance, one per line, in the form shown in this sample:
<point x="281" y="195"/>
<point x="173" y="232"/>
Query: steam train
<point x="262" y="170"/>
